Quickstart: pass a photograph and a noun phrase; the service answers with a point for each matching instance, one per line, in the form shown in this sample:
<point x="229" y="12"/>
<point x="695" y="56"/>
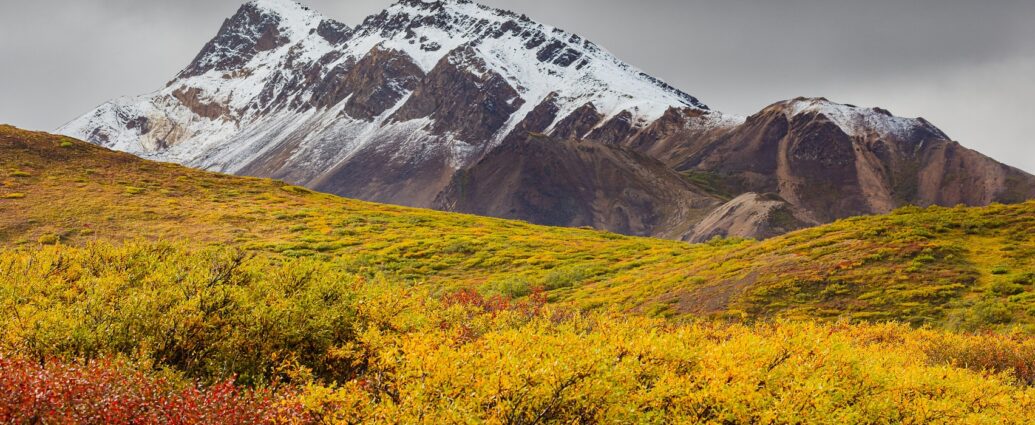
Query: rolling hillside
<point x="329" y="310"/>
<point x="958" y="267"/>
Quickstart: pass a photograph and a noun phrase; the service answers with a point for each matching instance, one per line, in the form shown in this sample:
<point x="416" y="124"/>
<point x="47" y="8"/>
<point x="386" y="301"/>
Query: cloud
<point x="964" y="65"/>
<point x="984" y="106"/>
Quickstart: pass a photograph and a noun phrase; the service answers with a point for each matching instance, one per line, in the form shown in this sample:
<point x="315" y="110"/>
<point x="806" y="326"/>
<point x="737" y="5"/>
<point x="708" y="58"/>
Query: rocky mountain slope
<point x="433" y="104"/>
<point x="578" y="183"/>
<point x="833" y="161"/>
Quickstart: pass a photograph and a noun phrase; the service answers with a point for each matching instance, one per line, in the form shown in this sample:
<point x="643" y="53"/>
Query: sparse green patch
<point x="296" y="190"/>
<point x="508" y="287"/>
<point x="712" y="183"/>
<point x="48" y="239"/>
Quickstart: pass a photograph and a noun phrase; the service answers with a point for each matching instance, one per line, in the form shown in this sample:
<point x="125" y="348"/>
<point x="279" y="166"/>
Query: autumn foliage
<point x="320" y="345"/>
<point x="112" y="392"/>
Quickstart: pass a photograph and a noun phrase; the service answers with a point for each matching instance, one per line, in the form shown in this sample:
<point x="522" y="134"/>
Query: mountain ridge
<point x="396" y="108"/>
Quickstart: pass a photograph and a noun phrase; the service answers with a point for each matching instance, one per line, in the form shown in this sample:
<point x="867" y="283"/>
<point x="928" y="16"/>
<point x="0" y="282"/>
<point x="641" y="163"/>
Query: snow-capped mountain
<point x="400" y="101"/>
<point x="454" y="105"/>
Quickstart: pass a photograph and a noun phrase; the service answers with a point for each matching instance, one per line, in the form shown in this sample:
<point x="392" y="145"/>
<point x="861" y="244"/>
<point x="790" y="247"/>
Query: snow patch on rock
<point x="855" y="121"/>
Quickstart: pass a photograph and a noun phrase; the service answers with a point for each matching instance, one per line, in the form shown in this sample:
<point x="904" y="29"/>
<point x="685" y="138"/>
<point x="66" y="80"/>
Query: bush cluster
<point x="351" y="349"/>
<point x="114" y="392"/>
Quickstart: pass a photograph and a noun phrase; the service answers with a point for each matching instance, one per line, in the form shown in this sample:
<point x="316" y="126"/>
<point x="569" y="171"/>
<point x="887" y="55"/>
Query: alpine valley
<point x="459" y="107"/>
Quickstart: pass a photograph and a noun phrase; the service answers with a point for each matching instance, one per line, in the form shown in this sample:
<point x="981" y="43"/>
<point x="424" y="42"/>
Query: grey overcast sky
<point x="966" y="65"/>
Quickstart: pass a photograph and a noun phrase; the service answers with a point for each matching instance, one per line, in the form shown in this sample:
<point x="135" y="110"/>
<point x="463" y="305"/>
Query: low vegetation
<point x="137" y="275"/>
<point x="341" y="348"/>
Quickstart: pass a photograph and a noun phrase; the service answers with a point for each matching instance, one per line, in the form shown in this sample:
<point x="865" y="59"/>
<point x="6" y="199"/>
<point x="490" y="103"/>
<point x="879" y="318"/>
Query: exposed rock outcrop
<point x="750" y="215"/>
<point x="462" y="96"/>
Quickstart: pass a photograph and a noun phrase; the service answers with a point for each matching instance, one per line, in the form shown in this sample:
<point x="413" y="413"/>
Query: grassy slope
<point x="962" y="267"/>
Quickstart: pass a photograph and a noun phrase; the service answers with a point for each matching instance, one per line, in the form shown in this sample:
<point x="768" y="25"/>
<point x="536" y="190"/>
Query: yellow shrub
<point x="371" y="349"/>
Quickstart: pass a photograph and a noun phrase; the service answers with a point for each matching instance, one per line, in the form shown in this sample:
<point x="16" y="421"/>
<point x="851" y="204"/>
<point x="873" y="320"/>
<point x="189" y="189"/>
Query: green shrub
<point x="992" y="312"/>
<point x="133" y="190"/>
<point x="298" y="190"/>
<point x="508" y="286"/>
<point x="1004" y="287"/>
<point x="48" y="239"/>
<point x="460" y="247"/>
<point x="925" y="258"/>
<point x="1024" y="279"/>
<point x="564" y="277"/>
<point x="366" y="348"/>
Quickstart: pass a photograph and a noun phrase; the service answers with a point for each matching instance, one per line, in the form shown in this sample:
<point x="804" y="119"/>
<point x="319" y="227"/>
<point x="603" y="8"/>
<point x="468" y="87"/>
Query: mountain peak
<point x="521" y="48"/>
<point x="856" y="120"/>
<point x="258" y="26"/>
<point x="293" y="17"/>
<point x="437" y="4"/>
<point x="284" y="8"/>
<point x="276" y="58"/>
<point x="427" y="86"/>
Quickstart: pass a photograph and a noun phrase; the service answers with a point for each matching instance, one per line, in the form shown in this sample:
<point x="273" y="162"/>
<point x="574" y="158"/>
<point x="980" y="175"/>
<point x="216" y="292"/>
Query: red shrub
<point x="470" y="297"/>
<point x="497" y="303"/>
<point x="110" y="392"/>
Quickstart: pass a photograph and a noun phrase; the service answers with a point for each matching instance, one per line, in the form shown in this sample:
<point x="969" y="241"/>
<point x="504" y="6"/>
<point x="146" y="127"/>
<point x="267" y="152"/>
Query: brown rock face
<point x="578" y="183"/>
<point x="817" y="169"/>
<point x="952" y="174"/>
<point x="614" y="130"/>
<point x="678" y="134"/>
<point x="539" y="119"/>
<point x="473" y="105"/>
<point x="373" y="85"/>
<point x="461" y="99"/>
<point x="191" y="98"/>
<point x="578" y="124"/>
<point x="333" y="31"/>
